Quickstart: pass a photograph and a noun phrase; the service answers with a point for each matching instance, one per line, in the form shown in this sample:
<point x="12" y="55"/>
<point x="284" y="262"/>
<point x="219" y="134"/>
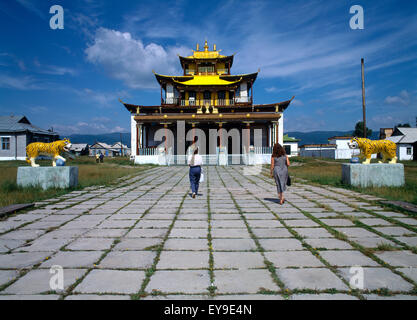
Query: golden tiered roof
<point x="206" y="54"/>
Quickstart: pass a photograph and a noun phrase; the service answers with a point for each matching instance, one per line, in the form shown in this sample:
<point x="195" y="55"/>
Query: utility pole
<point x="363" y="98"/>
<point x="121" y="145"/>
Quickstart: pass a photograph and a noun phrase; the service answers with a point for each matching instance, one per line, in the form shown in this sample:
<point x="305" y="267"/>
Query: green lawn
<point x="89" y="173"/>
<point x="329" y="172"/>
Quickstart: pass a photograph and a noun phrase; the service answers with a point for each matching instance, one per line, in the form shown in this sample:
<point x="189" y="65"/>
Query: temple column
<point x="274" y="136"/>
<point x="139" y="130"/>
<point x="133" y="135"/>
<point x="220" y="123"/>
<point x="247" y="137"/>
<point x="281" y="130"/>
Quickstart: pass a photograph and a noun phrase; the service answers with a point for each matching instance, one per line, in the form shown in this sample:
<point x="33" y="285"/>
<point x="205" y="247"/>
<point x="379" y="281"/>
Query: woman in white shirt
<point x="195" y="161"/>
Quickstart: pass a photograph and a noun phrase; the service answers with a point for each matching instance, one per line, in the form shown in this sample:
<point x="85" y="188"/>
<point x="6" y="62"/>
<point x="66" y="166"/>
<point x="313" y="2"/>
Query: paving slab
<point x="410" y="272"/>
<point x="30" y="297"/>
<point x="188" y="233"/>
<point x="128" y="260"/>
<point x="186" y="244"/>
<point x="22" y="234"/>
<point x="301" y="223"/>
<point x="230" y="233"/>
<point x="393" y="297"/>
<point x="323" y="296"/>
<point x="280" y="244"/>
<point x="374" y="242"/>
<point x="313" y="232"/>
<point x="244" y="281"/>
<point x="152" y="224"/>
<point x="272" y="233"/>
<point x="10" y="244"/>
<point x="73" y="259"/>
<point x="310" y="278"/>
<point x="395" y="231"/>
<point x="183" y="260"/>
<point x="323" y="243"/>
<point x="7" y="276"/>
<point x="38" y="281"/>
<point x="285" y="259"/>
<point x="104" y="233"/>
<point x="390" y="214"/>
<point x="376" y="222"/>
<point x="378" y="278"/>
<point x="338" y="222"/>
<point x="409" y="221"/>
<point x="138" y="244"/>
<point x="233" y="244"/>
<point x="411" y="241"/>
<point x="111" y="281"/>
<point x="22" y="260"/>
<point x="90" y="244"/>
<point x="240" y="260"/>
<point x="356" y="232"/>
<point x="97" y="297"/>
<point x="269" y="224"/>
<point x="399" y="258"/>
<point x="181" y="281"/>
<point x="347" y="258"/>
<point x="146" y="233"/>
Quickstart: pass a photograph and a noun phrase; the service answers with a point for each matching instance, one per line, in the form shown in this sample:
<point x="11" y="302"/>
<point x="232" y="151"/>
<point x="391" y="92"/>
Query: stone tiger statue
<point x="369" y="147"/>
<point x="54" y="149"/>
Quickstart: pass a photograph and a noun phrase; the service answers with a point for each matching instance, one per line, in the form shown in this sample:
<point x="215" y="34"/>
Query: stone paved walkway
<point x="146" y="238"/>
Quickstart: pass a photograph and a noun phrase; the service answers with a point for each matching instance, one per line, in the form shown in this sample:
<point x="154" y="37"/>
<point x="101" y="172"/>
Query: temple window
<point x="205" y="68"/>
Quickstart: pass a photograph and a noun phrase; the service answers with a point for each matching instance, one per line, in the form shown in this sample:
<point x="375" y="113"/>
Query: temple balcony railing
<point x="208" y="102"/>
<point x="206" y="70"/>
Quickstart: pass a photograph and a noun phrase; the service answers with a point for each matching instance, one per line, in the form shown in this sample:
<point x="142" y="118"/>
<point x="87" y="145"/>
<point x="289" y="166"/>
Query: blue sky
<point x="71" y="79"/>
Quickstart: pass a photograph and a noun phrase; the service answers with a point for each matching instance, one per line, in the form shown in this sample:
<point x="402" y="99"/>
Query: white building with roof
<point x="16" y="132"/>
<point x="406" y="140"/>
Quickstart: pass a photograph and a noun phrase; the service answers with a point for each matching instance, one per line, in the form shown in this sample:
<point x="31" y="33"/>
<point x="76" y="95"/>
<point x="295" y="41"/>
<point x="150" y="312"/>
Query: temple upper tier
<point x="206" y="81"/>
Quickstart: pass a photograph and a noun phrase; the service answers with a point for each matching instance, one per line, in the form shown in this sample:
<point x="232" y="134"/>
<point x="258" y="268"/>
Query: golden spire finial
<point x="198" y="46"/>
<point x="205" y="46"/>
<point x="214" y="47"/>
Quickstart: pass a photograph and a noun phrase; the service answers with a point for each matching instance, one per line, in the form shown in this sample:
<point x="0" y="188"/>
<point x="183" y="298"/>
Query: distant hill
<point x="108" y="138"/>
<point x="320" y="137"/>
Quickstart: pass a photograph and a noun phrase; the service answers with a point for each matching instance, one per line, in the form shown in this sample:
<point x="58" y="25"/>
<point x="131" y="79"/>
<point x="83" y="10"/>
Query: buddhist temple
<point x="206" y="96"/>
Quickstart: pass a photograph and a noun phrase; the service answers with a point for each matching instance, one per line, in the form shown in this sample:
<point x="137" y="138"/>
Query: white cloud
<point x="402" y="99"/>
<point x="19" y="82"/>
<point x="125" y="58"/>
<point x="271" y="89"/>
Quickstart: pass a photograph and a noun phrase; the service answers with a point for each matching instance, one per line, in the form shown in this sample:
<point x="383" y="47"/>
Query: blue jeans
<point x="194" y="174"/>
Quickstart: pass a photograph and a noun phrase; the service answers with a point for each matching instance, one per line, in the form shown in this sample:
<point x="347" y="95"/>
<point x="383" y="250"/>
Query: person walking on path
<point x="279" y="170"/>
<point x="195" y="161"/>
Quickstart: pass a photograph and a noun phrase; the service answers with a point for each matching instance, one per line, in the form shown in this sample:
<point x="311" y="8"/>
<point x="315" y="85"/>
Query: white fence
<point x="158" y="156"/>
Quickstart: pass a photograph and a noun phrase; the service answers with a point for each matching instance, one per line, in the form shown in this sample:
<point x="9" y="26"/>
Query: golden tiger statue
<point x="54" y="149"/>
<point x="369" y="147"/>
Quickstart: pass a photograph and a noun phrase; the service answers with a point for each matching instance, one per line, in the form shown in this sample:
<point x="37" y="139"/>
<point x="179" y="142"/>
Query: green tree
<point x="359" y="130"/>
<point x="405" y="125"/>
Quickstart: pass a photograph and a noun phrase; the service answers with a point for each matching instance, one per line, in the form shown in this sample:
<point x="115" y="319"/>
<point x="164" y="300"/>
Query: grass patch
<point x="89" y="174"/>
<point x="386" y="247"/>
<point x="329" y="172"/>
